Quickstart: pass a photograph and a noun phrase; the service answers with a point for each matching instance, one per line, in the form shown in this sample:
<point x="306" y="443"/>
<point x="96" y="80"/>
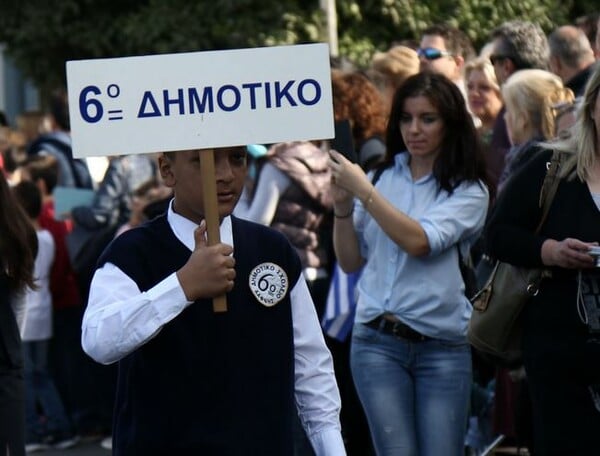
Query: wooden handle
<point x="211" y="211"/>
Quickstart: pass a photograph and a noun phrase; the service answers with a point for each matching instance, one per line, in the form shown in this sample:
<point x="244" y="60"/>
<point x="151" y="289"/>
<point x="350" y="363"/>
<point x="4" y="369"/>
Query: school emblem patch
<point x="268" y="283"/>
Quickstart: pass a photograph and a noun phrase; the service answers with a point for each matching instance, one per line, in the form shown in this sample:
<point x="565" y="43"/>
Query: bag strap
<point x="550" y="185"/>
<point x="547" y="192"/>
<point x="378" y="172"/>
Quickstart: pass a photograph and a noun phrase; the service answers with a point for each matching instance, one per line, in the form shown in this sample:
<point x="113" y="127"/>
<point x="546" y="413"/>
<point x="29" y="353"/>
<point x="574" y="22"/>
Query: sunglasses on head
<point x="432" y="53"/>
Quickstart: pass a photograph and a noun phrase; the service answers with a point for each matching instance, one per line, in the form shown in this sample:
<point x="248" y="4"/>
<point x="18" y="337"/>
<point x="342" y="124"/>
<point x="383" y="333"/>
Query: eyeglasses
<point x="562" y="107"/>
<point x="432" y="53"/>
<point x="497" y="58"/>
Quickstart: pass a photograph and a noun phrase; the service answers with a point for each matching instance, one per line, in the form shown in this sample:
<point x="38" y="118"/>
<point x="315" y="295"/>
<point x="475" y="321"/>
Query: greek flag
<point x="341" y="304"/>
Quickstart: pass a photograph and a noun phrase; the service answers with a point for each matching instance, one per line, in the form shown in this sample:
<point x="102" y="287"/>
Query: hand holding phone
<point x="595" y="253"/>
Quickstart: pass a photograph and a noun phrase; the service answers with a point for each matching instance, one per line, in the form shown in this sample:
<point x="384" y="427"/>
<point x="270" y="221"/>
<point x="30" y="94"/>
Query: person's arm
<point x="441" y="226"/>
<point x="405" y="231"/>
<point x="455" y="218"/>
<point x="511" y="233"/>
<point x="316" y="391"/>
<point x="116" y="306"/>
<point x="345" y="240"/>
<point x="272" y="183"/>
<point x="400" y="228"/>
<point x="119" y="318"/>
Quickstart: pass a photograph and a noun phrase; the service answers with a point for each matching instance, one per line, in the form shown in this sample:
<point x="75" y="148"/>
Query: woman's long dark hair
<point x="18" y="241"/>
<point x="461" y="157"/>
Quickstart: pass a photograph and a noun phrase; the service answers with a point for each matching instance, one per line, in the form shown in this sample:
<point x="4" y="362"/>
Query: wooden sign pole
<point x="211" y="211"/>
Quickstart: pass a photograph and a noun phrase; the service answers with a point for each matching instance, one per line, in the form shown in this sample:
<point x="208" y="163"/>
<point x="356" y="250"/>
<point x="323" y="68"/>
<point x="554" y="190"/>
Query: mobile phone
<point x="343" y="142"/>
<point x="595" y="252"/>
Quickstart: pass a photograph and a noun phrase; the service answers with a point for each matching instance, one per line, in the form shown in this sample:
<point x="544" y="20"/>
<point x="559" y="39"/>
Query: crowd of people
<point x="451" y="146"/>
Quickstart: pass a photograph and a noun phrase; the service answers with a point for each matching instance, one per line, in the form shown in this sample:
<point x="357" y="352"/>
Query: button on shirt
<point x="119" y="319"/>
<point x="425" y="292"/>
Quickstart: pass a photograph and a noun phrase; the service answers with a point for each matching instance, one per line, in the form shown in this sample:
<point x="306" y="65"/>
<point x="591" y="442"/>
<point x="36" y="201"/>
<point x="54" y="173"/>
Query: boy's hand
<point x="209" y="272"/>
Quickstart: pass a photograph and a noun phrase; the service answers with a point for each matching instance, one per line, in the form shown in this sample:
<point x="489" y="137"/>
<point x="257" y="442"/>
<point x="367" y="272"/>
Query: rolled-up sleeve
<point x="459" y="216"/>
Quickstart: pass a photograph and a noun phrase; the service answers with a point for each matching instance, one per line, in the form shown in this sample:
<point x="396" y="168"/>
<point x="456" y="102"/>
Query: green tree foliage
<point x="41" y="35"/>
<point x="375" y="24"/>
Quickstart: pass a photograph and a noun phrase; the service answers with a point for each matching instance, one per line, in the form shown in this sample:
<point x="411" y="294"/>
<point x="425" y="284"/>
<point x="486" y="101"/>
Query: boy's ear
<point x="165" y="167"/>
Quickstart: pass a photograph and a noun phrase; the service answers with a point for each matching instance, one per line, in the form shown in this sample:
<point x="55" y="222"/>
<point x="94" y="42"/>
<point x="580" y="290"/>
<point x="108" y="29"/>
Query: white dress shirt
<point x="119" y="319"/>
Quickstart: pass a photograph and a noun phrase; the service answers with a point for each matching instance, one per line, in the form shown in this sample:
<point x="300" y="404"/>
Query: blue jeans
<point x="39" y="387"/>
<point x="415" y="394"/>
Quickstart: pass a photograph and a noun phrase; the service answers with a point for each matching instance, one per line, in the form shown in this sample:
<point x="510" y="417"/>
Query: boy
<point x="192" y="381"/>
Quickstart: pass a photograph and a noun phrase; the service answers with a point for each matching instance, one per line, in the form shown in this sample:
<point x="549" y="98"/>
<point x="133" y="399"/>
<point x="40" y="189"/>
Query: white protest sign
<point x="200" y="100"/>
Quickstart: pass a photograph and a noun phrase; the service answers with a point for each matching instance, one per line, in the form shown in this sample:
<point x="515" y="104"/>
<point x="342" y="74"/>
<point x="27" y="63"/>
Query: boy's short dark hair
<point x="173" y="153"/>
<point x="170" y="155"/>
<point x="29" y="197"/>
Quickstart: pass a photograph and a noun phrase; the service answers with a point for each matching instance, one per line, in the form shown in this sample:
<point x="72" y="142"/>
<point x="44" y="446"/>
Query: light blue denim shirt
<point x="426" y="292"/>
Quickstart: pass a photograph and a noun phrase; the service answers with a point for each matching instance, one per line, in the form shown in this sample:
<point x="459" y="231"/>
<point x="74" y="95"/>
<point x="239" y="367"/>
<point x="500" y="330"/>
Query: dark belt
<point x="396" y="328"/>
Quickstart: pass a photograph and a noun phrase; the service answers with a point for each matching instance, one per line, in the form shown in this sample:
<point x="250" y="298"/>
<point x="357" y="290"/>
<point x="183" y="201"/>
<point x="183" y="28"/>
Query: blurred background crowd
<point x="523" y="83"/>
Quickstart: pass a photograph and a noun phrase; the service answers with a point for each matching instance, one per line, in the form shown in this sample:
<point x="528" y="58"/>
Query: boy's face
<point x="181" y="171"/>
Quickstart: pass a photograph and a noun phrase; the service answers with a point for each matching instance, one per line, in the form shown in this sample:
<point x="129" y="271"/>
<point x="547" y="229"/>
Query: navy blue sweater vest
<point x="208" y="383"/>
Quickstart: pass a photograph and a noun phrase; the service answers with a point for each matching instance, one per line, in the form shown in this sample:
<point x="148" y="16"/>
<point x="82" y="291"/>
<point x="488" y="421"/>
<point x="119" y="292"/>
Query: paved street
<point x="86" y="449"/>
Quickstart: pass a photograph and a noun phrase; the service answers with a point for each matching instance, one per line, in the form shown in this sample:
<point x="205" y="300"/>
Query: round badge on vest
<point x="268" y="283"/>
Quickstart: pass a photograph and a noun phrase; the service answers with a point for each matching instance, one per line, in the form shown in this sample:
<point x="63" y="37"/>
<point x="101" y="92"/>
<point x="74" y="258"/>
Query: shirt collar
<point x="401" y="162"/>
<point x="401" y="166"/>
<point x="184" y="228"/>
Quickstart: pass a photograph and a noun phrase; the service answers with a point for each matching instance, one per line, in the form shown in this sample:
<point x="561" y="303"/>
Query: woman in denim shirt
<point x="410" y="358"/>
